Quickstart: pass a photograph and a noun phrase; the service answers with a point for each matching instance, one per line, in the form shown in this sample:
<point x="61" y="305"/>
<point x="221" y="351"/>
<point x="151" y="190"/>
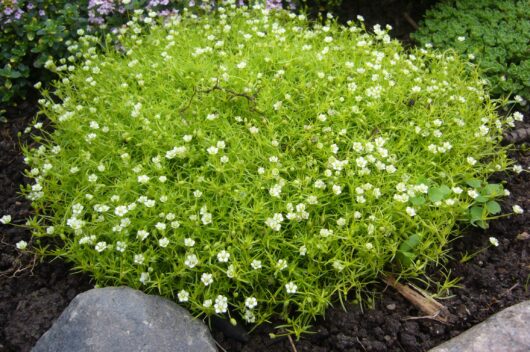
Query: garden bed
<point x="33" y="296"/>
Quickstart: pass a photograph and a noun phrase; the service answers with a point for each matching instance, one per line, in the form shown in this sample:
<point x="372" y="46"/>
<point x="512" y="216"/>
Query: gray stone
<point x="508" y="330"/>
<point x="120" y="319"/>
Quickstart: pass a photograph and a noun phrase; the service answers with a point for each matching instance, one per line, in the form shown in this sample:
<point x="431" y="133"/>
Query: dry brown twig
<point x="428" y="305"/>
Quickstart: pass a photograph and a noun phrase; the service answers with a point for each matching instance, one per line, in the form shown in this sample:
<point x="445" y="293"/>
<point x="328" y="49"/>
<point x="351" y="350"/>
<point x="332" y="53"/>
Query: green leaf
<point x="420" y="200"/>
<point x="493" y="207"/>
<point x="482" y="199"/>
<point x="435" y="194"/>
<point x="410" y="243"/>
<point x="493" y="189"/>
<point x="405" y="258"/>
<point x="473" y="182"/>
<point x="475" y="214"/>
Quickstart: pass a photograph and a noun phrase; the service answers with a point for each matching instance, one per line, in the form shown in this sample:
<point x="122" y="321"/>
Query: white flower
<point x="197" y="193"/>
<point x="160" y="226"/>
<point x="22" y="245"/>
<point x="176" y="152"/>
<point x="100" y="246"/>
<point x="253" y="130"/>
<point x="207" y="303"/>
<point x="139" y="259"/>
<point x="281" y="264"/>
<point x="517" y="209"/>
<point x="143" y="179"/>
<point x="276" y="190"/>
<point x="212" y="150"/>
<point x="183" y="296"/>
<point x="224" y="159"/>
<point x="411" y="211"/>
<point x="212" y="117"/>
<point x="223" y="256"/>
<point x="471" y="160"/>
<point x="273" y="159"/>
<point x="357" y="215"/>
<point x="291" y="287"/>
<point x="261" y="171"/>
<point x="369" y="246"/>
<point x="275" y="222"/>
<point x="517" y="116"/>
<point x="6" y="219"/>
<point x="206" y="218"/>
<point x="249" y="316"/>
<point x="188" y="242"/>
<point x="142" y="235"/>
<point x="251" y="302"/>
<point x="326" y="232"/>
<point x="320" y="184"/>
<point x="302" y="250"/>
<point x="473" y="193"/>
<point x="121" y="210"/>
<point x="256" y="264"/>
<point x="191" y="261"/>
<point x="494" y="241"/>
<point x="92" y="178"/>
<point x="461" y="38"/>
<point x="457" y="190"/>
<point x="221" y="304"/>
<point x="517" y="168"/>
<point x="337" y="189"/>
<point x="206" y="279"/>
<point x="120" y="246"/>
<point x="144" y="277"/>
<point x="241" y="65"/>
<point x="163" y="242"/>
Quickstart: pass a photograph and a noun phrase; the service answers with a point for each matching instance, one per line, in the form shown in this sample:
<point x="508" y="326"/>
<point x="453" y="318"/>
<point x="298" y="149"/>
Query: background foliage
<point x="496" y="34"/>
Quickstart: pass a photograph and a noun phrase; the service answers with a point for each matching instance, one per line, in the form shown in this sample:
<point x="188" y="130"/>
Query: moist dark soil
<point x="34" y="292"/>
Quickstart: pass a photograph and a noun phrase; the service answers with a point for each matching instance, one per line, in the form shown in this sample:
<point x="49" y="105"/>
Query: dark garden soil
<point x="34" y="293"/>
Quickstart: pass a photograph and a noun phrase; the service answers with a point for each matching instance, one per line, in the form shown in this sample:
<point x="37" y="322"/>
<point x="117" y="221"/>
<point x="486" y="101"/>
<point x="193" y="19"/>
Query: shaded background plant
<point x="494" y="34"/>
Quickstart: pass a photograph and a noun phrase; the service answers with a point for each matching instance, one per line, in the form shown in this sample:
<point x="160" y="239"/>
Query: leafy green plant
<point x="495" y="34"/>
<point x="249" y="163"/>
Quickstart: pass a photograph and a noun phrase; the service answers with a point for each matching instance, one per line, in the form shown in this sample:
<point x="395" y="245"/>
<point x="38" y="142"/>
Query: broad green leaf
<point x="493" y="207"/>
<point x="473" y="182"/>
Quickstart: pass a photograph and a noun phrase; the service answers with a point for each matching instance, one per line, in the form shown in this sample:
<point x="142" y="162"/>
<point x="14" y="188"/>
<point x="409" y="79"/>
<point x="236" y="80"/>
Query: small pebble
<point x="391" y="306"/>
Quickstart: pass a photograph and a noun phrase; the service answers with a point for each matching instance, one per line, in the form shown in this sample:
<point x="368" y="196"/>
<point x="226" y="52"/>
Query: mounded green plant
<point x="496" y="34"/>
<point x="247" y="163"/>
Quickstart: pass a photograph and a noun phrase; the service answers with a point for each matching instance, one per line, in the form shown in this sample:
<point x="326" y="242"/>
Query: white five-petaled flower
<point x="163" y="242"/>
<point x="291" y="287"/>
<point x="188" y="242"/>
<point x="139" y="259"/>
<point x="221" y="304"/>
<point x="144" y="277"/>
<point x="411" y="211"/>
<point x="142" y="235"/>
<point x="183" y="296"/>
<point x="22" y="245"/>
<point x="223" y="256"/>
<point x="275" y="223"/>
<point x="473" y="193"/>
<point x="206" y="279"/>
<point x="6" y="219"/>
<point x="143" y="179"/>
<point x="121" y="210"/>
<point x="191" y="261"/>
<point x="494" y="241"/>
<point x="256" y="264"/>
<point x="517" y="209"/>
<point x="101" y="246"/>
<point x="251" y="302"/>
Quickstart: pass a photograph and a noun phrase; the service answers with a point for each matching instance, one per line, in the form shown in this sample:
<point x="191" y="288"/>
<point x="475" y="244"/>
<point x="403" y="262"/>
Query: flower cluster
<point x="246" y="163"/>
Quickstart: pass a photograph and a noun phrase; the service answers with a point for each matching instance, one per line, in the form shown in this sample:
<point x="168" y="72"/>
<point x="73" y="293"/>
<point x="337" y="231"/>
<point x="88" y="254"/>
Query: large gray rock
<point x="508" y="330"/>
<point x="120" y="319"/>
